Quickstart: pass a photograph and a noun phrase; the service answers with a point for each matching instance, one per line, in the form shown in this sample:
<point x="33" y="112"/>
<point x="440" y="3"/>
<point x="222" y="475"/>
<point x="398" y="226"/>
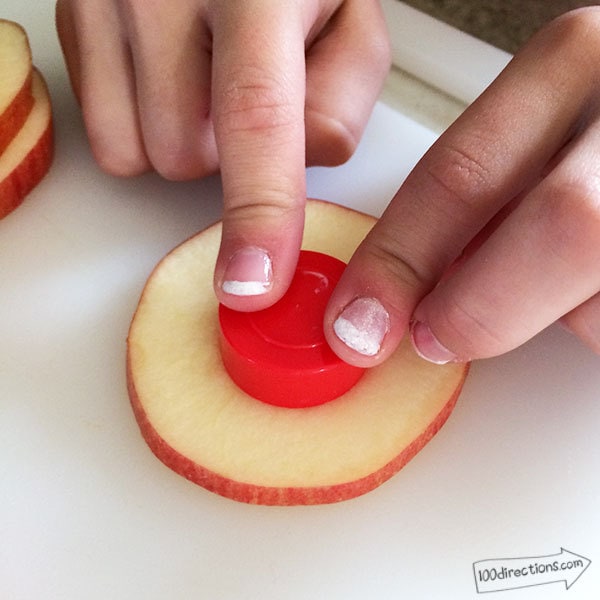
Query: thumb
<point x="258" y="108"/>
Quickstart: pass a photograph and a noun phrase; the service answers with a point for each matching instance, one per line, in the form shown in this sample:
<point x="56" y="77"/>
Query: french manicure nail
<point x="427" y="346"/>
<point x="362" y="325"/>
<point x="249" y="273"/>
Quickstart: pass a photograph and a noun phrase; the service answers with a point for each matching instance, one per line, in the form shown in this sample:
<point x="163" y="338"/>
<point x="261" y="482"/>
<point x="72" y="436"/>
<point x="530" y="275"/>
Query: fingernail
<point x="427" y="346"/>
<point x="362" y="325"/>
<point x="249" y="273"/>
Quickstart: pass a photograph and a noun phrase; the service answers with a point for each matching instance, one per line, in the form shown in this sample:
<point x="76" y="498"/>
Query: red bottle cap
<point x="279" y="355"/>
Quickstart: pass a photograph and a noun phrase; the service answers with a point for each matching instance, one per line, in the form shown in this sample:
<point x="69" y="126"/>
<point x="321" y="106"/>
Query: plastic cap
<point x="279" y="355"/>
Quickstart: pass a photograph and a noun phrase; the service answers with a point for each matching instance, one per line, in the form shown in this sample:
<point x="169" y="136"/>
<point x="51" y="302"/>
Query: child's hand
<point x="255" y="88"/>
<point x="496" y="233"/>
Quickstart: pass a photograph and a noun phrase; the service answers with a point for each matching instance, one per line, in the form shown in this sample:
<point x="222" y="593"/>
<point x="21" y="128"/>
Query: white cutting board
<point x="86" y="511"/>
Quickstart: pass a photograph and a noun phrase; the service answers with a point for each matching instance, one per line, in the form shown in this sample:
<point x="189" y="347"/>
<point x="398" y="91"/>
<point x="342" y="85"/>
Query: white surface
<point x="440" y="55"/>
<point x="86" y="511"/>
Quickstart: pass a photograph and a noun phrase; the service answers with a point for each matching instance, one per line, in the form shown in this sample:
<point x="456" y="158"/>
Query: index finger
<point x="497" y="149"/>
<point x="258" y="109"/>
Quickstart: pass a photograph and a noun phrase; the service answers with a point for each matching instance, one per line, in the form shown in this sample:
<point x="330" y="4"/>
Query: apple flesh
<point x="16" y="98"/>
<point x="201" y="425"/>
<point x="29" y="154"/>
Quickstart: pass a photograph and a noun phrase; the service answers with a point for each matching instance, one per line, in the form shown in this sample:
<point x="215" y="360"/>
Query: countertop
<point x="503" y="25"/>
<point x="87" y="511"/>
<point x="506" y="24"/>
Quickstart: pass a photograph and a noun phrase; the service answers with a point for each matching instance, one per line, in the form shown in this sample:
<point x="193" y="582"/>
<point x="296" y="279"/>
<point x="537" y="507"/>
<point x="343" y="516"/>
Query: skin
<point x="512" y="186"/>
<point x="492" y="237"/>
<point x="228" y="85"/>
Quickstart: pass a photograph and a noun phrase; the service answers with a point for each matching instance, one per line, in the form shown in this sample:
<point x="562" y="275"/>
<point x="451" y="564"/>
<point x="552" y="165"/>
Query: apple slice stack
<point x="26" y="140"/>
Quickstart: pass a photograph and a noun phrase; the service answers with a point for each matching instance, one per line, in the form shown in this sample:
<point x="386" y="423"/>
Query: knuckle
<point x="330" y="141"/>
<point x="374" y="42"/>
<point x="581" y="196"/>
<point x="575" y="27"/>
<point x="173" y="168"/>
<point x="139" y="8"/>
<point x="569" y="215"/>
<point x="177" y="162"/>
<point x="272" y="209"/>
<point x="572" y="38"/>
<point x="122" y="165"/>
<point x="254" y="101"/>
<point x="379" y="50"/>
<point x="462" y="178"/>
<point x="120" y="160"/>
<point x="471" y="331"/>
<point x="114" y="139"/>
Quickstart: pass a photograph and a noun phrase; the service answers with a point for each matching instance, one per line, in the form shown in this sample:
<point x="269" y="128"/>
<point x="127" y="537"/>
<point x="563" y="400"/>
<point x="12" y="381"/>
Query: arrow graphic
<point x="501" y="574"/>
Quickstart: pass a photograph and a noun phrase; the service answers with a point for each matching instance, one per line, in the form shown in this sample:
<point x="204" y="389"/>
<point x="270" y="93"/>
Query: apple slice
<point x="16" y="99"/>
<point x="29" y="155"/>
<point x="200" y="424"/>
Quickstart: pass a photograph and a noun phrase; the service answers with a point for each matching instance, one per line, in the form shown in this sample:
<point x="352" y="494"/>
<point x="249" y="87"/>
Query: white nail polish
<point x="362" y="325"/>
<point x="249" y="273"/>
<point x="244" y="288"/>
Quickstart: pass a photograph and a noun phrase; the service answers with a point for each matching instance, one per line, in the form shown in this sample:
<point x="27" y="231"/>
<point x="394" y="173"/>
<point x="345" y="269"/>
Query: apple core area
<point x="279" y="355"/>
